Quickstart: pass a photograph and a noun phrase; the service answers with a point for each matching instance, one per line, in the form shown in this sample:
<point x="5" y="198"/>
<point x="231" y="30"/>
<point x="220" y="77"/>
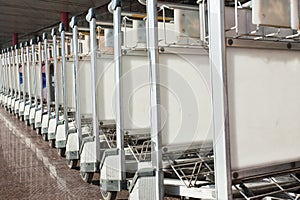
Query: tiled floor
<point x="30" y="169"/>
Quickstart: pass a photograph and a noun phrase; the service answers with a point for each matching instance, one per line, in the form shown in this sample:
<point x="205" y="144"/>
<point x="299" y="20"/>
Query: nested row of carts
<point x="203" y="104"/>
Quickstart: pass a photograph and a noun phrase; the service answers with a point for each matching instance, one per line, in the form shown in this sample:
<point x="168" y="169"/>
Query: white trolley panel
<point x="264" y="106"/>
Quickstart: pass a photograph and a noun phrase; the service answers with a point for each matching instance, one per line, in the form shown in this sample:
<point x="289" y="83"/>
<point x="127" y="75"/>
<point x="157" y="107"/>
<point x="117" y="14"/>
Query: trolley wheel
<point x="22" y="118"/>
<point x="27" y="122"/>
<point x="45" y="137"/>
<point x="52" y="143"/>
<point x="72" y="163"/>
<point x="61" y="152"/>
<point x="109" y="195"/>
<point x="87" y="176"/>
<point x="33" y="127"/>
<point x="39" y="130"/>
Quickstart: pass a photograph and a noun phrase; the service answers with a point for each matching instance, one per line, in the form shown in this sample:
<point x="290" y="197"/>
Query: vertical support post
<point x="17" y="71"/>
<point x="39" y="40"/>
<point x="53" y="33"/>
<point x="14" y="39"/>
<point x="115" y="6"/>
<point x="9" y="70"/>
<point x="91" y="18"/>
<point x="1" y="68"/>
<point x="74" y="26"/>
<point x="156" y="154"/>
<point x="32" y="42"/>
<point x="5" y="61"/>
<point x="5" y="71"/>
<point x="65" y="20"/>
<point x="12" y="71"/>
<point x="64" y="74"/>
<point x="23" y="71"/>
<point x="217" y="56"/>
<point x="28" y="71"/>
<point x="45" y="38"/>
<point x="1" y="83"/>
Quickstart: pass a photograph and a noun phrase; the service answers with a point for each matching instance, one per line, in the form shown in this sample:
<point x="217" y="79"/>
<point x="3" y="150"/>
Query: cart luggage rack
<point x="191" y="167"/>
<point x="273" y="187"/>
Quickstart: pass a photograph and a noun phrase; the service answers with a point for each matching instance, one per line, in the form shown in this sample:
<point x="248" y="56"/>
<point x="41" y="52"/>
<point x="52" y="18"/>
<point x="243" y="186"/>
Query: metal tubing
<point x="9" y="71"/>
<point x="23" y="72"/>
<point x="1" y="65"/>
<point x="76" y="69"/>
<point x="94" y="80"/>
<point x="28" y="72"/>
<point x="156" y="154"/>
<point x="117" y="61"/>
<point x="34" y="72"/>
<point x="5" y="74"/>
<point x="13" y="92"/>
<point x="4" y="70"/>
<point x="55" y="74"/>
<point x="202" y="19"/>
<point x="41" y="73"/>
<point x="217" y="56"/>
<point x="18" y="73"/>
<point x="47" y="75"/>
<point x="2" y="73"/>
<point x="64" y="74"/>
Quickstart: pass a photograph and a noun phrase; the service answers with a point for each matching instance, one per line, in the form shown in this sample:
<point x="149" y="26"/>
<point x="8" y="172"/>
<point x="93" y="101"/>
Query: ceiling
<point x="28" y="16"/>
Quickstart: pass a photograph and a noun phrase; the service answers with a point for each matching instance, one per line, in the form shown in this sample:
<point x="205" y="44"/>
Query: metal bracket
<point x="115" y="3"/>
<point x="145" y="172"/>
<point x="39" y="39"/>
<point x="32" y="41"/>
<point x="53" y="31"/>
<point x="73" y="22"/>
<point x="91" y="14"/>
<point x="61" y="27"/>
<point x="45" y="36"/>
<point x="108" y="152"/>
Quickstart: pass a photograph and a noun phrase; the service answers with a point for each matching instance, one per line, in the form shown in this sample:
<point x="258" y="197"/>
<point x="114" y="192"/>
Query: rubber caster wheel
<point x="52" y="143"/>
<point x="27" y="122"/>
<point x="87" y="176"/>
<point x="61" y="152"/>
<point x="22" y="118"/>
<point x="72" y="163"/>
<point x="109" y="195"/>
<point x="45" y="137"/>
<point x="39" y="131"/>
<point x="33" y="127"/>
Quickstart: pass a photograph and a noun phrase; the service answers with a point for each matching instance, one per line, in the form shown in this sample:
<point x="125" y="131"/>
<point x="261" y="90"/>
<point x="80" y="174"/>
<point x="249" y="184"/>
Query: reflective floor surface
<point x="30" y="169"/>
